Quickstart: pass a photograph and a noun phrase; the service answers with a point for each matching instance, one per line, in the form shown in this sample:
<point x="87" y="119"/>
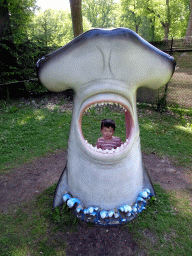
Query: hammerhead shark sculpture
<point x="105" y="66"/>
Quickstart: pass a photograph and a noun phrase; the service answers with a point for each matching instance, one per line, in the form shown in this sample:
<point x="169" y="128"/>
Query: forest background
<point x="27" y="33"/>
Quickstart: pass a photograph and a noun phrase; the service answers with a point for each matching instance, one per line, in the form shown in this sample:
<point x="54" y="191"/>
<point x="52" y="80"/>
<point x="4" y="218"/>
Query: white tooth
<point x="86" y="141"/>
<point x="107" y="150"/>
<point x="95" y="148"/>
<point x="110" y="151"/>
<point x="104" y="151"/>
<point x="121" y="147"/>
<point x="127" y="140"/>
<point x="99" y="150"/>
<point x="117" y="150"/>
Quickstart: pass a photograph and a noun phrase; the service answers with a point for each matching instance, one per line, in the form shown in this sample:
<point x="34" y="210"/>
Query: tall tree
<point x="76" y="15"/>
<point x="100" y="13"/>
<point x="51" y="28"/>
<point x="132" y="13"/>
<point x="166" y="17"/>
<point x="15" y="16"/>
<point x="21" y="14"/>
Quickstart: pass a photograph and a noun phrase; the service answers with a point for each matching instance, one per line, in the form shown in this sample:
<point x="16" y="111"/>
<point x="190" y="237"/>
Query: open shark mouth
<point x="111" y="101"/>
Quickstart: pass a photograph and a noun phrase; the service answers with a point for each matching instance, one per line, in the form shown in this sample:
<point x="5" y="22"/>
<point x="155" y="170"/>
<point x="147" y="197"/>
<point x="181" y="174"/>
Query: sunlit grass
<point x="167" y="134"/>
<point x="31" y="133"/>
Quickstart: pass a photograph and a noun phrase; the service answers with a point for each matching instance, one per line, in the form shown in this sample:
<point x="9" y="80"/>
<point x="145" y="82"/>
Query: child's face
<point x="107" y="133"/>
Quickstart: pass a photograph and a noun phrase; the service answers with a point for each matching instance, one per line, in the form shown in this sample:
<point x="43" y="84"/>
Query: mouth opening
<point x="90" y="125"/>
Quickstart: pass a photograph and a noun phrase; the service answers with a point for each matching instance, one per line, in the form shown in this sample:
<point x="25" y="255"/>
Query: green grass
<point x="33" y="229"/>
<point x="167" y="134"/>
<point x="163" y="229"/>
<point x="26" y="132"/>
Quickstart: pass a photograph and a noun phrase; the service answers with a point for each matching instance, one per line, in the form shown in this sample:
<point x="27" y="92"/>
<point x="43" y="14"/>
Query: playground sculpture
<point x="105" y="187"/>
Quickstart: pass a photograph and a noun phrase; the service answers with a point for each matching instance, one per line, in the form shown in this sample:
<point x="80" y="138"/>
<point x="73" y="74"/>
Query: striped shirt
<point x="114" y="143"/>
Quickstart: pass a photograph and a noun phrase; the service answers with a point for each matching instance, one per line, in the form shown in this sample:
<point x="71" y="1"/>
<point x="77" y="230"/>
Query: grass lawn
<point x="27" y="132"/>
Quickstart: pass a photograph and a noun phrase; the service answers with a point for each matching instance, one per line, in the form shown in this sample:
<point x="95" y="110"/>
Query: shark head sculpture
<point x="105" y="66"/>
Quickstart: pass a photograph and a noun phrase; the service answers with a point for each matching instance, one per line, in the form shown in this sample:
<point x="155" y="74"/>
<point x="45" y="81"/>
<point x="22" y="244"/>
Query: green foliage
<point x="35" y="87"/>
<point x="51" y="28"/>
<point x="21" y="13"/>
<point x="100" y="13"/>
<point x="154" y="19"/>
<point x="131" y="14"/>
<point x="64" y="217"/>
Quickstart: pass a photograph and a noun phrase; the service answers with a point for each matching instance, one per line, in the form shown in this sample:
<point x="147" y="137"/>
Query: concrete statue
<point x="105" y="187"/>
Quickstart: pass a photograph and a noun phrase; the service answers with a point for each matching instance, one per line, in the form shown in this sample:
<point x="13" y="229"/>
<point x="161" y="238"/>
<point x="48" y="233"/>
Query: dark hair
<point x="108" y="123"/>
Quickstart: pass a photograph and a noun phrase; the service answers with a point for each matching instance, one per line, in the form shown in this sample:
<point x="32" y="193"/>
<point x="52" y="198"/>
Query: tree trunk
<point x="166" y="28"/>
<point x="188" y="35"/>
<point x="76" y="15"/>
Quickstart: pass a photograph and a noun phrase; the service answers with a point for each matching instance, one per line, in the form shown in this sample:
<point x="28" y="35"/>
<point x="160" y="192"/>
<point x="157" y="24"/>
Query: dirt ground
<point x="27" y="181"/>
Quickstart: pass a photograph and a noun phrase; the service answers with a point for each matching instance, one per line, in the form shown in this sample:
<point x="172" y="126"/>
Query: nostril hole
<point x="91" y="122"/>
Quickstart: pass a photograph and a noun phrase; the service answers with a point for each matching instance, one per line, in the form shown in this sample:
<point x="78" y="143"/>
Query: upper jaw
<point x="131" y="132"/>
